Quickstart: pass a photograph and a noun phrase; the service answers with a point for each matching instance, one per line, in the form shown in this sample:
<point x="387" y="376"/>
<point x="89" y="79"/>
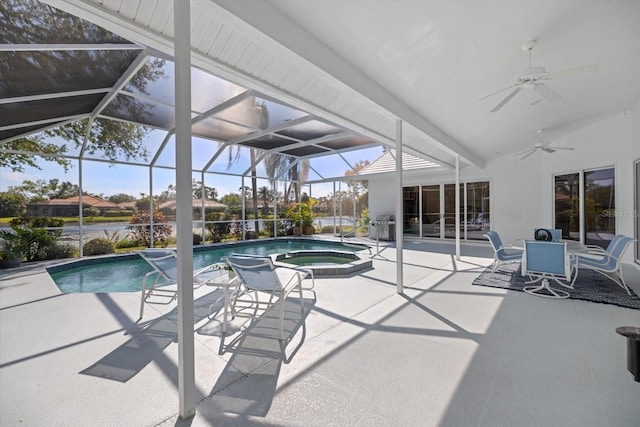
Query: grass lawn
<point x="86" y="220"/>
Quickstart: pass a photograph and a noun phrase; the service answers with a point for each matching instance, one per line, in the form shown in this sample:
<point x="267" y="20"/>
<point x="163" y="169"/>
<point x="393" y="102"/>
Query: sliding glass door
<point x="585" y="204"/>
<point x="429" y="210"/>
<point x="567" y="205"/>
<point x="477" y="209"/>
<point x="411" y="209"/>
<point x="600" y="207"/>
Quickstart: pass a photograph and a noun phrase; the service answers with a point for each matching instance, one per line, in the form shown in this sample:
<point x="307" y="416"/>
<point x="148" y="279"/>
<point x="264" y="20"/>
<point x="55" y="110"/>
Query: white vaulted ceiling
<point x="363" y="64"/>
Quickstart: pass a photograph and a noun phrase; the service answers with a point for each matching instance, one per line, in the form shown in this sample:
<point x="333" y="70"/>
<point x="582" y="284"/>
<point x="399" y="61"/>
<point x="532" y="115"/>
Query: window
<point x="585" y="206"/>
<point x="429" y="210"/>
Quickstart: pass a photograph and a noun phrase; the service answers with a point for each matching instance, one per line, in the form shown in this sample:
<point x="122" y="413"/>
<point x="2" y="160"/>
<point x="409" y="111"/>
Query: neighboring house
<point x="68" y="207"/>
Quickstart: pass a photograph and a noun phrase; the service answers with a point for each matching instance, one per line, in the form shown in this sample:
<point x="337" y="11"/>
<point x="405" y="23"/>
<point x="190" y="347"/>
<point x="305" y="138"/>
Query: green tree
<point x="12" y="204"/>
<point x="232" y="200"/>
<point x="62" y="190"/>
<point x="121" y="198"/>
<point x="265" y="195"/>
<point x="34" y="191"/>
<point x="210" y="193"/>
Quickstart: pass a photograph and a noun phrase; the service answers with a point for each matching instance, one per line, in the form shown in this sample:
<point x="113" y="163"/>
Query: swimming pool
<point x="124" y="273"/>
<point x="325" y="262"/>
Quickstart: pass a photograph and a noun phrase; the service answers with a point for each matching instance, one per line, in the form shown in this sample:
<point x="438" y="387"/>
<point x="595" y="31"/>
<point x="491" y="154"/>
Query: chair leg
<point x="281" y="331"/>
<point x="622" y="282"/>
<point x="496" y="263"/>
<point x="141" y="304"/>
<point x="555" y="293"/>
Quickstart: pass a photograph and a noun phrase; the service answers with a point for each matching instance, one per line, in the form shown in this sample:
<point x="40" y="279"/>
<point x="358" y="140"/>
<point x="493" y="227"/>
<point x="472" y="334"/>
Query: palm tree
<point x="265" y="194"/>
<point x="277" y="165"/>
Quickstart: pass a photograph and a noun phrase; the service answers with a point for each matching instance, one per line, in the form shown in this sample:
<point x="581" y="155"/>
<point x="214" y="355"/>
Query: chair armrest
<point x="600" y="257"/>
<point x="595" y="249"/>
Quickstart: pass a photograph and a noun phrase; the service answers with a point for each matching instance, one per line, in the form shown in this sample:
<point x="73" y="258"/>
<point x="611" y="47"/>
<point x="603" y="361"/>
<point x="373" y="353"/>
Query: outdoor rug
<point x="589" y="286"/>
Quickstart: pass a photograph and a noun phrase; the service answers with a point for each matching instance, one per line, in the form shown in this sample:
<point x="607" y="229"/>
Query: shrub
<point x="285" y="227"/>
<point x="197" y="239"/>
<point x="112" y="213"/>
<point x="99" y="246"/>
<point x="328" y="229"/>
<point x="33" y="241"/>
<point x="39" y="222"/>
<point x="126" y="243"/>
<point x="58" y="251"/>
<point x="236" y="229"/>
<point x="90" y="211"/>
<point x="142" y="233"/>
<point x="218" y="230"/>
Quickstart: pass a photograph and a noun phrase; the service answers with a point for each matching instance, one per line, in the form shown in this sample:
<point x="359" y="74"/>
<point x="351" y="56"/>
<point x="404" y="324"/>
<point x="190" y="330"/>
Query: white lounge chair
<point x="258" y="274"/>
<point x="159" y="286"/>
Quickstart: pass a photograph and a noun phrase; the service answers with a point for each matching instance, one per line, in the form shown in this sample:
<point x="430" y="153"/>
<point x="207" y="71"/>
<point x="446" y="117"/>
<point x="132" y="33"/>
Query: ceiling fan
<point x="533" y="78"/>
<point x="541" y="145"/>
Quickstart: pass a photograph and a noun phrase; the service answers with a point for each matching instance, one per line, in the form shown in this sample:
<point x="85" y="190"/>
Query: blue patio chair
<point x="608" y="262"/>
<point x="544" y="261"/>
<point x="598" y="250"/>
<point x="159" y="286"/>
<point x="258" y="274"/>
<point x="502" y="253"/>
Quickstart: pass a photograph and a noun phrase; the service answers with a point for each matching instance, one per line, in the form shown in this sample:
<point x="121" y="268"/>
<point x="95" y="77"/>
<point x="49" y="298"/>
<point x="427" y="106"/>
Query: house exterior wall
<point x="522" y="192"/>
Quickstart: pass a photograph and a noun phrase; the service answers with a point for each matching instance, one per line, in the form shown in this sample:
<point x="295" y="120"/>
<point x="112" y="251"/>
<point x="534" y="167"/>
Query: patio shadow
<point x="148" y="340"/>
<point x="248" y="383"/>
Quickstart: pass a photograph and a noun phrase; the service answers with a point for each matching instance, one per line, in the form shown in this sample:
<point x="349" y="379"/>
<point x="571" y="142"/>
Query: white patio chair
<point x="258" y="274"/>
<point x="503" y="253"/>
<point x="159" y="286"/>
<point x="608" y="262"/>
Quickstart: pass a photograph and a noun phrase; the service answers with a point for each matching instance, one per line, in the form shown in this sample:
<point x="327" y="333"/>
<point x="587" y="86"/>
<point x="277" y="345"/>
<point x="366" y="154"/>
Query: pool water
<point x="125" y="274"/>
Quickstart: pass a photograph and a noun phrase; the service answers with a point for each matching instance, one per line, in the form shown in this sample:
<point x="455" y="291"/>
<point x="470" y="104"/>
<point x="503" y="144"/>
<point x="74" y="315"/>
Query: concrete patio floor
<point x="443" y="354"/>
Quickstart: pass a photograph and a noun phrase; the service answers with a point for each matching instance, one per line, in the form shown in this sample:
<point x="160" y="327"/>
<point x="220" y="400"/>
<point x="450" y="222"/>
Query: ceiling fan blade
<point x="507" y="99"/>
<point x="549" y="150"/>
<point x="563" y="148"/>
<point x="546" y="92"/>
<point x="532" y="151"/>
<point x="576" y="70"/>
<point x="497" y="92"/>
<point x="524" y="151"/>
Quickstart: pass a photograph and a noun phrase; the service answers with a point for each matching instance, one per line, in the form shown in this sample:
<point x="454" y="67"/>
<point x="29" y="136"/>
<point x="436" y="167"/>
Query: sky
<point x="106" y="179"/>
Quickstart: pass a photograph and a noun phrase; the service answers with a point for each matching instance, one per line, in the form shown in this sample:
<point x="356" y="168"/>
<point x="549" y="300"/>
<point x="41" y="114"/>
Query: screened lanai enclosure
<point x="84" y="106"/>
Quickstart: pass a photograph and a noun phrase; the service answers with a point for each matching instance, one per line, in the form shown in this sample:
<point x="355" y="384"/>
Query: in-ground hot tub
<point x="325" y="262"/>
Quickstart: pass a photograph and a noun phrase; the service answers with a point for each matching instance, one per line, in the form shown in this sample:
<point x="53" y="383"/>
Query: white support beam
<point x="54" y="95"/>
<point x="186" y="342"/>
<point x="55" y="120"/>
<point x="38" y="47"/>
<point x="457" y="207"/>
<point x="399" y="213"/>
